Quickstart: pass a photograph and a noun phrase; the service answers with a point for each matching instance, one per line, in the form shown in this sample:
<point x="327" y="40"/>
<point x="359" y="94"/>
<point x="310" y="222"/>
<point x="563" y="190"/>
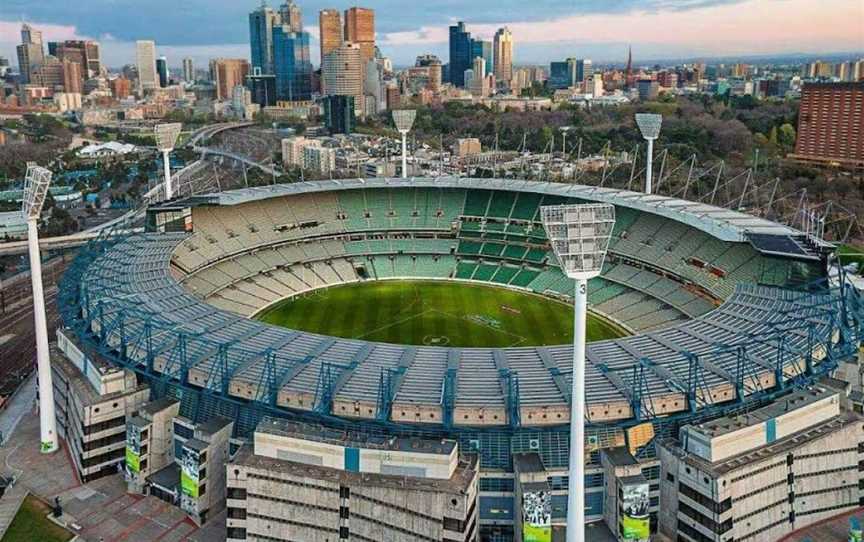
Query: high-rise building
<point x="188" y="70"/>
<point x="145" y="57"/>
<point x="829" y="124"/>
<point x="120" y="87"/>
<point x="48" y="74"/>
<point x="330" y="30"/>
<point x="291" y="64"/>
<point x="394" y="98"/>
<point x="478" y="81"/>
<point x="290" y="16"/>
<point x="341" y="72"/>
<point x="360" y="29"/>
<point x="340" y="113"/>
<point x="30" y="53"/>
<point x="72" y="80"/>
<point x="483" y="49"/>
<point x="597" y="87"/>
<point x="85" y="53"/>
<point x="162" y="70"/>
<point x="261" y="23"/>
<point x="648" y="89"/>
<point x="433" y="64"/>
<point x="460" y="53"/>
<point x="227" y="73"/>
<point x="584" y="70"/>
<point x="504" y="54"/>
<point x="263" y="87"/>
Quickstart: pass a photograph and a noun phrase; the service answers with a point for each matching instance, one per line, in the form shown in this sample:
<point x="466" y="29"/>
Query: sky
<point x="543" y="30"/>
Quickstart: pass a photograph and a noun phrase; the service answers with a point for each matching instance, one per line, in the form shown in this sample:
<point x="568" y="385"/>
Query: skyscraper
<point x="290" y="16"/>
<point x="261" y="23"/>
<point x="504" y="54"/>
<point x="829" y="124"/>
<point x="31" y="54"/>
<point x="478" y="82"/>
<point x="188" y="70"/>
<point x="227" y="73"/>
<point x="162" y="70"/>
<point x="341" y="72"/>
<point x="483" y="49"/>
<point x="72" y="79"/>
<point x="330" y="29"/>
<point x="148" y="78"/>
<point x="584" y="70"/>
<point x="460" y="53"/>
<point x="360" y="29"/>
<point x="293" y="68"/>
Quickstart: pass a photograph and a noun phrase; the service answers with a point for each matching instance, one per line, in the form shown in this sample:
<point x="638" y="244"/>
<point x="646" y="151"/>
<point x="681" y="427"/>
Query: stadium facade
<point x="727" y="312"/>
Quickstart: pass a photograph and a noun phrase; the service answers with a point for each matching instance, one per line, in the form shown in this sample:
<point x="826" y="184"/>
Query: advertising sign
<point x="537" y="516"/>
<point x="635" y="521"/>
<point x="189" y="467"/>
<point x="133" y="449"/>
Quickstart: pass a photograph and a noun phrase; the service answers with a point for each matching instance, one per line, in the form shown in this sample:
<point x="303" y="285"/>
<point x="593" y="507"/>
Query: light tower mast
<point x="36" y="185"/>
<point x="166" y="137"/>
<point x="649" y="124"/>
<point x="579" y="235"/>
<point x="404" y="120"/>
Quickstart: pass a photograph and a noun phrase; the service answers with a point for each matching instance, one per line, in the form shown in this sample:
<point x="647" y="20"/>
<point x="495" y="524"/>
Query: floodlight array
<point x="579" y="235"/>
<point x="36" y="185"/>
<point x="649" y="124"/>
<point x="166" y="135"/>
<point x="404" y="119"/>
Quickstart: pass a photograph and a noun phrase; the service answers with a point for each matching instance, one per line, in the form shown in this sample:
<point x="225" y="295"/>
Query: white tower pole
<point x="404" y="155"/>
<point x="47" y="420"/>
<point x="650" y="166"/>
<point x="404" y="120"/>
<point x="576" y="480"/>
<point x="166" y="136"/>
<point x="649" y="124"/>
<point x="35" y="192"/>
<point x="579" y="235"/>
<point x="169" y="191"/>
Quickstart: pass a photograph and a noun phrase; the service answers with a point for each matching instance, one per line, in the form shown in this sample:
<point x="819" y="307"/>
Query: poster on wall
<point x="537" y="516"/>
<point x="133" y="449"/>
<point x="189" y="467"/>
<point x="635" y="518"/>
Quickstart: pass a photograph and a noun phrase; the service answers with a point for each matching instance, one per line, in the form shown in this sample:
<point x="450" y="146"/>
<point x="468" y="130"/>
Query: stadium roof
<point x="725" y="224"/>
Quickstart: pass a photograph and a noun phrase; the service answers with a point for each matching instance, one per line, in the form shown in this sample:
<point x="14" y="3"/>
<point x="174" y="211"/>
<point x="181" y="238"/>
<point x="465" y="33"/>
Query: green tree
<point x="787" y="135"/>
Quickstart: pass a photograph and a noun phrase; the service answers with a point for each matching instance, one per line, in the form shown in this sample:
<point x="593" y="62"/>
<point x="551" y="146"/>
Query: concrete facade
<point x="762" y="485"/>
<point x="94" y="400"/>
<point x="327" y="488"/>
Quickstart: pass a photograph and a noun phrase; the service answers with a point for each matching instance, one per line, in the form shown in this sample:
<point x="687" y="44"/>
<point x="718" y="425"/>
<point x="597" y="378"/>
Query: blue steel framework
<point x="837" y="306"/>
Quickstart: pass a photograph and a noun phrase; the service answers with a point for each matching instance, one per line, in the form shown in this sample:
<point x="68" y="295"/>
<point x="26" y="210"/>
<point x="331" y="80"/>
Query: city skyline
<point x="739" y="25"/>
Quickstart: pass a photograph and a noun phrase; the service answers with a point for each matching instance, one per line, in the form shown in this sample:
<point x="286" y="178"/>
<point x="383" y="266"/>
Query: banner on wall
<point x="635" y="518"/>
<point x="537" y="516"/>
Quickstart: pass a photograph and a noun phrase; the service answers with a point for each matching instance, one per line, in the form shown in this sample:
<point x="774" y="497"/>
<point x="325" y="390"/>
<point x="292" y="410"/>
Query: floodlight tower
<point x="404" y="120"/>
<point x="35" y="191"/>
<point x="579" y="235"/>
<point x="649" y="124"/>
<point x="564" y="130"/>
<point x="166" y="137"/>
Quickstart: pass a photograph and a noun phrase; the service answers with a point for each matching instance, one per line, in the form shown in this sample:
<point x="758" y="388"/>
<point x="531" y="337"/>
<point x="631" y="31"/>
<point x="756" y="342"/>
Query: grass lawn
<point x="434" y="313"/>
<point x="30" y="524"/>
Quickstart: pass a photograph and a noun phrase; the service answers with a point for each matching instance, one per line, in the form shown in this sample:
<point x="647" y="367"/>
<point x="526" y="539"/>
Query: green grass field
<point x="31" y="523"/>
<point x="436" y="314"/>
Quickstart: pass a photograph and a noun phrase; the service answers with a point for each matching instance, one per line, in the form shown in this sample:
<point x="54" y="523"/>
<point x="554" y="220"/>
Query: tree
<point x="787" y="135"/>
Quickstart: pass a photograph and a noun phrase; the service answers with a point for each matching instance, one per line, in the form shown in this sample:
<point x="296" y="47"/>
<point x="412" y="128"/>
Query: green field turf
<point x="434" y="313"/>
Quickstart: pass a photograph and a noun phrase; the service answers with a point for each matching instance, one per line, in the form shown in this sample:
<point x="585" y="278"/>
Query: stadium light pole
<point x="36" y="185"/>
<point x="404" y="120"/>
<point x="166" y="137"/>
<point x="649" y="124"/>
<point x="579" y="235"/>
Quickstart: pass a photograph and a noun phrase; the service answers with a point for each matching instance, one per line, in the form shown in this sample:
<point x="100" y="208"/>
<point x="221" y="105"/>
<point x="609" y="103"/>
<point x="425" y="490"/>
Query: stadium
<point x="712" y="311"/>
